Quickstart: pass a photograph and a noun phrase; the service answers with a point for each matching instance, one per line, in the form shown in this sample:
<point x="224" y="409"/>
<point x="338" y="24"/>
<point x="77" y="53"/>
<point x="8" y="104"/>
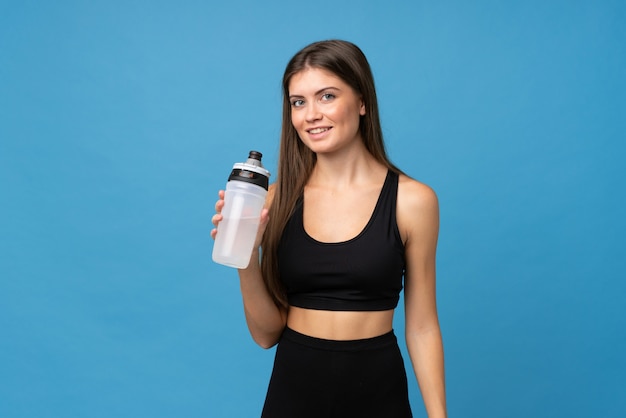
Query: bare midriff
<point x="339" y="325"/>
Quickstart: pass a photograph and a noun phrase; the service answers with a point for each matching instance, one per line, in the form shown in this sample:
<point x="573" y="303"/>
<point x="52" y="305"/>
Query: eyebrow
<point x="291" y="96"/>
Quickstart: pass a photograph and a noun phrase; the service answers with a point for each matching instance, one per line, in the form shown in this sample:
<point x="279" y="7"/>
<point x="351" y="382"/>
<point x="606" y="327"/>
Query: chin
<point x="319" y="148"/>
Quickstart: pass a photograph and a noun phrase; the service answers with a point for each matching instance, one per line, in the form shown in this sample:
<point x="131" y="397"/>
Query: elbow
<point x="266" y="344"/>
<point x="266" y="335"/>
<point x="424" y="330"/>
<point x="265" y="340"/>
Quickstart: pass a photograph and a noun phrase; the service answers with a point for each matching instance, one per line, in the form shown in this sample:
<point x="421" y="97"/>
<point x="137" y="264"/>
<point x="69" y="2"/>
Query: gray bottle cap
<point x="252" y="171"/>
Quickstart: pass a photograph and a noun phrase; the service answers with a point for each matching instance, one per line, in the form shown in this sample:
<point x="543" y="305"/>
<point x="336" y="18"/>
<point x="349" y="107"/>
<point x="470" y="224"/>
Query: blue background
<point x="120" y="120"/>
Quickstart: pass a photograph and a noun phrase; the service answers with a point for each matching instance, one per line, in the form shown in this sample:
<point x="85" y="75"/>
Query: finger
<point x="219" y="205"/>
<point x="265" y="216"/>
<point x="263" y="222"/>
<point x="216" y="219"/>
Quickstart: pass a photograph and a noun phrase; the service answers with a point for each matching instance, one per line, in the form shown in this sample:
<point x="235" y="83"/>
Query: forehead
<point x="311" y="80"/>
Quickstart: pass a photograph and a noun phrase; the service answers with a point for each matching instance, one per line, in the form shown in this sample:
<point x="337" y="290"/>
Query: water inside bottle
<point x="237" y="236"/>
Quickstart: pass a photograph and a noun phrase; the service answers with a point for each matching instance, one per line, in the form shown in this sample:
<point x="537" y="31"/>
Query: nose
<point x="313" y="112"/>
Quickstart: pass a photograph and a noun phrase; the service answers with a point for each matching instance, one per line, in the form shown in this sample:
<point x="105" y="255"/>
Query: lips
<point x="316" y="131"/>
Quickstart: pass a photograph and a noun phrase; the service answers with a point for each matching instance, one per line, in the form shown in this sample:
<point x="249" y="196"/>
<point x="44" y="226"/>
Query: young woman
<point x="342" y="228"/>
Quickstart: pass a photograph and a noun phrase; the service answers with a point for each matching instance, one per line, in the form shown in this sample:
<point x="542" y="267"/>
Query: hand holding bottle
<point x="217" y="218"/>
<point x="239" y="213"/>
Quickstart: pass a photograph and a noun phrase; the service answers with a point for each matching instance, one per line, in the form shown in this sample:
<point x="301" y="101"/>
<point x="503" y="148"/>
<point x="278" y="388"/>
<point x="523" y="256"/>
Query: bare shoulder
<point x="417" y="207"/>
<point x="414" y="195"/>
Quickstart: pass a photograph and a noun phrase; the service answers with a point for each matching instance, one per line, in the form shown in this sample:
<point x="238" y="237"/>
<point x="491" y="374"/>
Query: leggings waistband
<point x="380" y="341"/>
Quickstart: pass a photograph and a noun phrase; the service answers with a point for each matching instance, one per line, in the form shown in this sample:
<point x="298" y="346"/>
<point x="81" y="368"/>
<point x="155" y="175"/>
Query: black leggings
<point x="324" y="378"/>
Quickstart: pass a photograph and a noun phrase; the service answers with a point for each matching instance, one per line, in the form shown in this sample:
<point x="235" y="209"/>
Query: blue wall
<point x="119" y="121"/>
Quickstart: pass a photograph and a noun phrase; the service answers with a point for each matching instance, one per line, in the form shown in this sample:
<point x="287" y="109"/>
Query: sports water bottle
<point x="244" y="199"/>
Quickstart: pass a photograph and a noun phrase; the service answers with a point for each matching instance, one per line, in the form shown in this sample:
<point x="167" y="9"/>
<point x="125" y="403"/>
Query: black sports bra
<point x="361" y="274"/>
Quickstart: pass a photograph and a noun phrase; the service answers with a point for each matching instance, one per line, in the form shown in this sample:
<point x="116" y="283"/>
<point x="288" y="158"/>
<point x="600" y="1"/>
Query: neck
<point x="345" y="170"/>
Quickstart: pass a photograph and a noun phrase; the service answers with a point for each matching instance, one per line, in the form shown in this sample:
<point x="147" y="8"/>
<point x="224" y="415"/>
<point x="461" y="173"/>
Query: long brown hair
<point x="296" y="161"/>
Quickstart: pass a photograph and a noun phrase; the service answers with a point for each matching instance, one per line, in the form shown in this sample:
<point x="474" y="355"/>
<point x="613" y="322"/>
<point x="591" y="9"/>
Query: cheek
<point x="350" y="115"/>
<point x="348" y="112"/>
<point x="296" y="120"/>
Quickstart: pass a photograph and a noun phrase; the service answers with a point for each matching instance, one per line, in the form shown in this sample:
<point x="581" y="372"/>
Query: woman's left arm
<point x="418" y="221"/>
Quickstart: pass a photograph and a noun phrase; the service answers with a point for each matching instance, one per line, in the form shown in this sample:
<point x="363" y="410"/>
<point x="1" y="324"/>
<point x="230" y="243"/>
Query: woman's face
<point x="325" y="111"/>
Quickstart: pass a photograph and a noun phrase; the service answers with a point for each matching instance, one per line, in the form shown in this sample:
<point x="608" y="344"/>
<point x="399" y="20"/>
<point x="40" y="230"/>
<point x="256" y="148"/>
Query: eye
<point x="327" y="97"/>
<point x="297" y="103"/>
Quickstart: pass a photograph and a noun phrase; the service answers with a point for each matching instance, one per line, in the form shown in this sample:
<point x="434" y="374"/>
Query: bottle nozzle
<point x="254" y="158"/>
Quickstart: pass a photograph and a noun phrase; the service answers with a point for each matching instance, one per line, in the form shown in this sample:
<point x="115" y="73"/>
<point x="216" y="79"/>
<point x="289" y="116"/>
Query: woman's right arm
<point x="265" y="319"/>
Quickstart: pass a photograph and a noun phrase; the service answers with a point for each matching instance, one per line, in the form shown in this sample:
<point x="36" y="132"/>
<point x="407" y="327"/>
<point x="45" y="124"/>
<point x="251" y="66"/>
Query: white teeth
<point x="318" y="130"/>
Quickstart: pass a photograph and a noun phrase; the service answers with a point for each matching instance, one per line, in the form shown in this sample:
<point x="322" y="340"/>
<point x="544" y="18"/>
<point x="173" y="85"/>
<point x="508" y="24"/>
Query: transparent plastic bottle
<point x="243" y="201"/>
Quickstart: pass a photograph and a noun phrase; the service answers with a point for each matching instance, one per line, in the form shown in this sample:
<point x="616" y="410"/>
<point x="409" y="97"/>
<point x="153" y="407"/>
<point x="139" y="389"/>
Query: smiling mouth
<point x="318" y="130"/>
